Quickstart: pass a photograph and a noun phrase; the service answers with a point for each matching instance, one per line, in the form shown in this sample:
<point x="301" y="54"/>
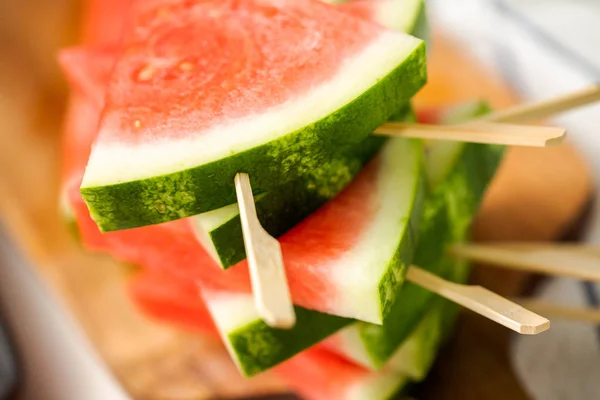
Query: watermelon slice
<point x="168" y="144"/>
<point x="177" y="303"/>
<point x="220" y="231"/>
<point x="458" y="175"/>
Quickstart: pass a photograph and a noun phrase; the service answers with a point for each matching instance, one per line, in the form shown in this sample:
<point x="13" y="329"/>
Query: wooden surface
<point x="156" y="362"/>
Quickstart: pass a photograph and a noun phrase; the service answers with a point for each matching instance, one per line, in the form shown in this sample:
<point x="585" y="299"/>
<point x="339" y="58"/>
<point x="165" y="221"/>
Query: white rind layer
<point x="114" y="162"/>
<point x="358" y="272"/>
<point x="205" y="241"/>
<point x="349" y="343"/>
<point x="400" y="15"/>
<point x="380" y="385"/>
<point x="230" y="310"/>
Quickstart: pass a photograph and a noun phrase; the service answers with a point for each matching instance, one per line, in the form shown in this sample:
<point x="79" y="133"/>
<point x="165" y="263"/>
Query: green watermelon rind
<point x="258" y="347"/>
<point x="452" y="203"/>
<point x="181" y="194"/>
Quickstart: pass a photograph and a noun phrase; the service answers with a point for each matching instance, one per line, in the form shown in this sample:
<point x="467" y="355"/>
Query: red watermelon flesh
<point x="104" y="21"/>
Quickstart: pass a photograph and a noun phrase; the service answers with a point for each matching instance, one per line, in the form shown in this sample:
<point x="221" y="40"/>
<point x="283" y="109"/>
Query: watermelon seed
<point x="146" y="73"/>
<point x="137" y="123"/>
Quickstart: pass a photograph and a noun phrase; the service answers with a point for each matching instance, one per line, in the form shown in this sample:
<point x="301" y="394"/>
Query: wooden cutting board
<point x="157" y="362"/>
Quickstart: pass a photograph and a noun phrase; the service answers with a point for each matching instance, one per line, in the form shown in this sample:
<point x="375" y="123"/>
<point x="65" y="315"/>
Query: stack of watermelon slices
<point x="170" y="99"/>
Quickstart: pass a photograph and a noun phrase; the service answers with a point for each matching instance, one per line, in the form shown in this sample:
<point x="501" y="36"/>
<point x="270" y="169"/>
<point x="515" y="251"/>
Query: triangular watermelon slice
<point x="104" y="20"/>
<point x="272" y="88"/>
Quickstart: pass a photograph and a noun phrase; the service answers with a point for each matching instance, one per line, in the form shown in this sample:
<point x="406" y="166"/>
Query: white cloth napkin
<point x="543" y="48"/>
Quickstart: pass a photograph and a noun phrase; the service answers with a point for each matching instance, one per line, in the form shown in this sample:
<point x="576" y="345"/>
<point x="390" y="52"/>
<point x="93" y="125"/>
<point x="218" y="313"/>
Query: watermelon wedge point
<point x="176" y="129"/>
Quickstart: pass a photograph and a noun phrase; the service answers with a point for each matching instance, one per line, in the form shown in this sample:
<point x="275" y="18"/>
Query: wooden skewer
<point x="269" y="283"/>
<point x="479" y="132"/>
<point x="492" y="128"/>
<point x="583" y="314"/>
<point x="574" y="261"/>
<point x="481" y="301"/>
<point x="546" y="108"/>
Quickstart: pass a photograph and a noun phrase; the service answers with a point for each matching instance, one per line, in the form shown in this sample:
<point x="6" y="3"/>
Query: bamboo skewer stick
<point x="269" y="283"/>
<point x="493" y="128"/>
<point x="481" y="301"/>
<point x="579" y="262"/>
<point x="581" y="314"/>
<point x="545" y="108"/>
<point x="480" y="132"/>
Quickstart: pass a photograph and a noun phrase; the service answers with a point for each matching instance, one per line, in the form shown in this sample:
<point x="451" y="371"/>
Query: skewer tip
<point x="534" y="329"/>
